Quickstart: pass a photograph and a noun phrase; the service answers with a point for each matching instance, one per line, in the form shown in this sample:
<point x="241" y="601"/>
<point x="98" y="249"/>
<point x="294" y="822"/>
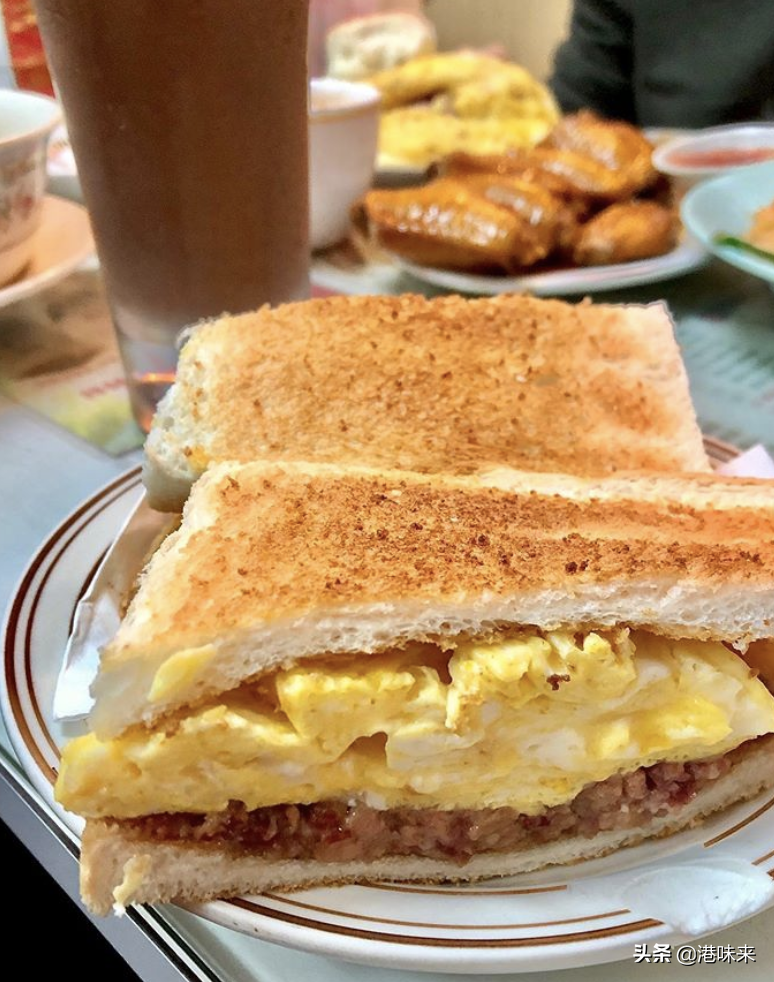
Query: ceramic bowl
<point x="343" y="137"/>
<point x="26" y="122"/>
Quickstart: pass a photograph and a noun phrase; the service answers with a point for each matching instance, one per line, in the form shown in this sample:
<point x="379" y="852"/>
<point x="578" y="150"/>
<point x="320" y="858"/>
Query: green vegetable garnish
<point x="735" y="243"/>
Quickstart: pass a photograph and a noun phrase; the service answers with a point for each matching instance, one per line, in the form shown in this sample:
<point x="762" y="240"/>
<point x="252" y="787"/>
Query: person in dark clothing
<point x="671" y="63"/>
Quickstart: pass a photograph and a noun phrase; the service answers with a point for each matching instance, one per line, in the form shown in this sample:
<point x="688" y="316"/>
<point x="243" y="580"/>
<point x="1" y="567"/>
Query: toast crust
<point x="441" y="385"/>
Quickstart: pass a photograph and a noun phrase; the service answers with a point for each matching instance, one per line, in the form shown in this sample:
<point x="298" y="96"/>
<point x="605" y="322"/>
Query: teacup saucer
<point x="63" y="240"/>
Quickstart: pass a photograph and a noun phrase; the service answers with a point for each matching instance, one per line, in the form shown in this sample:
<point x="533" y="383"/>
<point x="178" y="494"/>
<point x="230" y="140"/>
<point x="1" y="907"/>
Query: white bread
<point x="441" y="385"/>
<point x="276" y="563"/>
<point x="115" y="867"/>
<point x="362" y="46"/>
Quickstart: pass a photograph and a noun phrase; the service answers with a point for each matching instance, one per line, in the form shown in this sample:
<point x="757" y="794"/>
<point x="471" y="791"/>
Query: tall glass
<point x="188" y="120"/>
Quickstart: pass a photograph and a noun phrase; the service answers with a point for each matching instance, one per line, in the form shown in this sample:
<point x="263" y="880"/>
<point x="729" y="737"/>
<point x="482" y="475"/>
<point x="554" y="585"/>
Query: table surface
<point x="725" y="325"/>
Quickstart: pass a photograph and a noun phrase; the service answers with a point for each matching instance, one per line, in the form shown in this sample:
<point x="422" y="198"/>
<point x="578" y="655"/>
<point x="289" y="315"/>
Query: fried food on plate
<point x="507" y="91"/>
<point x="565" y="172"/>
<point x="443" y="224"/>
<point x="617" y="145"/>
<point x="532" y="202"/>
<point x="578" y="192"/>
<point x="626" y="232"/>
<point x="419" y="135"/>
<point x="448" y="223"/>
<point x="513" y="163"/>
<point x="437" y="104"/>
<point x="424" y="77"/>
<point x="477" y="84"/>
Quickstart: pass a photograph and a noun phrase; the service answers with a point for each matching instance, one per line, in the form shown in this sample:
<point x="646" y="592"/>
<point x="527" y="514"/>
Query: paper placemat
<point x="58" y="355"/>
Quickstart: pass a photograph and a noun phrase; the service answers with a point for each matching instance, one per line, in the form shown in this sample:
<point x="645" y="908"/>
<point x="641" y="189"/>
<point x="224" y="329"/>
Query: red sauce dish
<point x="724" y="157"/>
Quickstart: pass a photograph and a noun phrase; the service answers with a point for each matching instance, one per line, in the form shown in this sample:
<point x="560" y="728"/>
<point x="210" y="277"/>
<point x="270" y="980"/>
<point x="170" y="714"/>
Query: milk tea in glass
<point x="188" y="120"/>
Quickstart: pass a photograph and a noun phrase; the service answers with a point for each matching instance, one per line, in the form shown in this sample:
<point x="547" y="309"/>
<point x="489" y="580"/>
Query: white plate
<point x="726" y="205"/>
<point x="567" y="917"/>
<point x="63" y="240"/>
<point x="687" y="256"/>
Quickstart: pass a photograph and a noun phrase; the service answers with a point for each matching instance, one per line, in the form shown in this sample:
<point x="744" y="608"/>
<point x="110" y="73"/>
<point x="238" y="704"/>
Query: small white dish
<point x="343" y="136"/>
<point x="726" y="206"/>
<point x="62" y="241"/>
<point x="26" y="122"/>
<point x="718" y="150"/>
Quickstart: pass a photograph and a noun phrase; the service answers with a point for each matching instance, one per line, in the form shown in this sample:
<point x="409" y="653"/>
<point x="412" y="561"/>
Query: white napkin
<point x="98" y="613"/>
<point x="754" y="462"/>
<point x="693" y="895"/>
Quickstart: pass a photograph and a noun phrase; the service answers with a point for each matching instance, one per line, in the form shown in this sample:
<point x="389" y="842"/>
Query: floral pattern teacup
<point x="26" y="122"/>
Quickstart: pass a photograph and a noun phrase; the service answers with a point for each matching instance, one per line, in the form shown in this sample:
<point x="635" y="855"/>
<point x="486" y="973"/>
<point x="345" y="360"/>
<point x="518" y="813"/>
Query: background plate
<point x="726" y="205"/>
<point x="687" y="256"/>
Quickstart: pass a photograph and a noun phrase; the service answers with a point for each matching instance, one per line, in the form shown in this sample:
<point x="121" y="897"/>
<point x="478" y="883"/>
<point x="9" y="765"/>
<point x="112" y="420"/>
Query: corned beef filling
<point x="334" y="831"/>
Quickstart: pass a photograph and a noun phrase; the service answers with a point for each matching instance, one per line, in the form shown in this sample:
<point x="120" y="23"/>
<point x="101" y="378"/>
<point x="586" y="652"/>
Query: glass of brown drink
<point x="188" y="120"/>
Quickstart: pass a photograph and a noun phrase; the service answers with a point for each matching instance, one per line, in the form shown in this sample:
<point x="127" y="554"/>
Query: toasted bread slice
<point x="276" y="563"/>
<point x="443" y="385"/>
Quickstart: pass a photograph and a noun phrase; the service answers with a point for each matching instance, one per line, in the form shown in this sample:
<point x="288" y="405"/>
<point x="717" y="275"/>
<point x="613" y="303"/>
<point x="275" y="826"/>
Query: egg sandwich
<point x="442" y="385"/>
<point x="335" y="675"/>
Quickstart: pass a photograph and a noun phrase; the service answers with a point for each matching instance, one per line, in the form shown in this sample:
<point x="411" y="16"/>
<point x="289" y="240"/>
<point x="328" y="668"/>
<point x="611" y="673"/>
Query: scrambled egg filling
<point x="525" y="722"/>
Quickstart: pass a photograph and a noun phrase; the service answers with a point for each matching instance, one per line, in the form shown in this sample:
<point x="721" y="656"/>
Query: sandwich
<point x="442" y="385"/>
<point x="337" y="675"/>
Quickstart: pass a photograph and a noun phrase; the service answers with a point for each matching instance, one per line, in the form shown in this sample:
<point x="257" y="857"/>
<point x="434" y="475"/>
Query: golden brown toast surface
<point x="270" y="541"/>
<point x="443" y="385"/>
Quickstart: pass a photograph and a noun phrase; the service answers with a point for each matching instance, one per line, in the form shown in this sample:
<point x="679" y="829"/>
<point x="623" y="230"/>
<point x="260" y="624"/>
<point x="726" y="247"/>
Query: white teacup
<point x="343" y="136"/>
<point x="26" y="122"/>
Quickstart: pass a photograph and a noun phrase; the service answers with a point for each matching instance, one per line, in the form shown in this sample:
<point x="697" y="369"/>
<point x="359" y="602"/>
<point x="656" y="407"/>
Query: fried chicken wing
<point x="554" y="219"/>
<point x="625" y="232"/>
<point x="448" y="223"/>
<point x="580" y="174"/>
<point x="532" y="202"/>
<point x="616" y="145"/>
<point x="562" y="172"/>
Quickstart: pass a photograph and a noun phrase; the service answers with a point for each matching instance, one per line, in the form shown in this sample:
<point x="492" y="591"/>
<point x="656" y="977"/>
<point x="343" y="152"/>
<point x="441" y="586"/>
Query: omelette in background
<point x="459" y="102"/>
